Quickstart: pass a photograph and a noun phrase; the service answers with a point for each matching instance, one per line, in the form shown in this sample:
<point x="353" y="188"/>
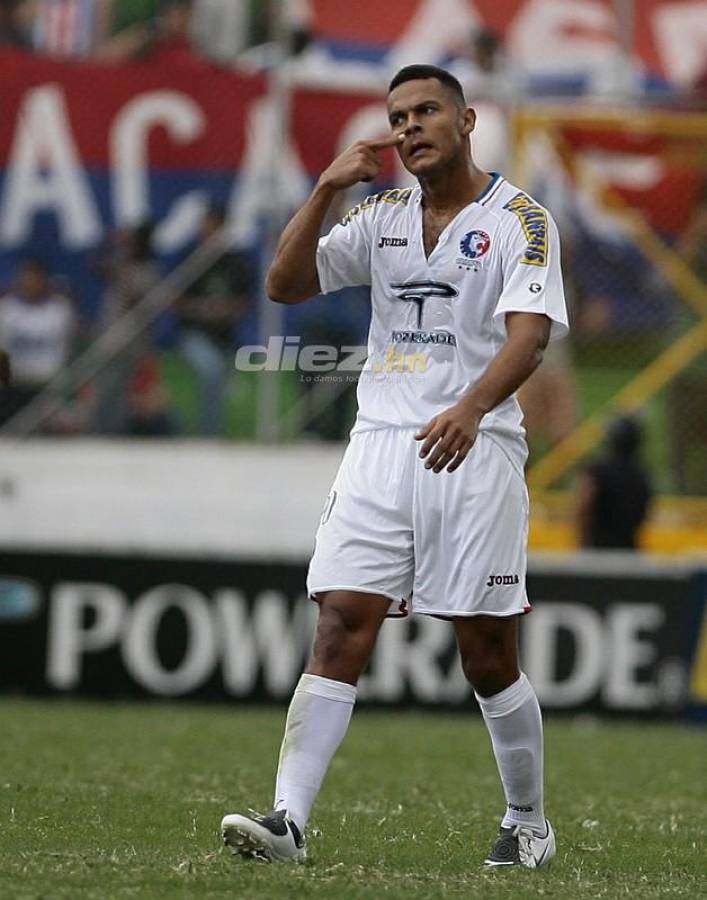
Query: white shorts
<point x="446" y="544"/>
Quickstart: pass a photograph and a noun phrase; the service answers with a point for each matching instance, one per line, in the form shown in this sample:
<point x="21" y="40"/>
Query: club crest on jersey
<point x="475" y="244"/>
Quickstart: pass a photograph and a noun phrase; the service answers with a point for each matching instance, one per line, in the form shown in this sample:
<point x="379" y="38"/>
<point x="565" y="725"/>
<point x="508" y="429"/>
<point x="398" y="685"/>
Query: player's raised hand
<point x="361" y="161"/>
<point x="448" y="438"/>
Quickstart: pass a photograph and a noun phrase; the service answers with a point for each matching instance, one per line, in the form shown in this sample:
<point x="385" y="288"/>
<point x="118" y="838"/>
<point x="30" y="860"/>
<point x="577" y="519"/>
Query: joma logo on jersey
<point x="392" y="242"/>
<point x="419" y="291"/>
<point x="502" y="579"/>
<point x="533" y="220"/>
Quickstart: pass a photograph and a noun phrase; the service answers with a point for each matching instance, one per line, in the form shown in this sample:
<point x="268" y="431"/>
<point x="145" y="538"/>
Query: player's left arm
<point x="448" y="437"/>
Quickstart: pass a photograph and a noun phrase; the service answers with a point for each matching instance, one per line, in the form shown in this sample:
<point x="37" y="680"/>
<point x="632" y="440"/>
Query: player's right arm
<point x="293" y="275"/>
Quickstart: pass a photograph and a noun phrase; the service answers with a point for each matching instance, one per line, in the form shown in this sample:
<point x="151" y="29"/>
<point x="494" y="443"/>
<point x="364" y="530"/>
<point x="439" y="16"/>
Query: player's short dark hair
<point x="417" y="72"/>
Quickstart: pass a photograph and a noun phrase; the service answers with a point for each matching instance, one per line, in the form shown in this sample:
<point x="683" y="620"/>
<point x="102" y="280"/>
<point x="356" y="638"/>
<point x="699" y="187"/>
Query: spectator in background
<point x="13" y="24"/>
<point x="614" y="491"/>
<point x="304" y="57"/>
<point x="549" y="398"/>
<point x="159" y="31"/>
<point x="221" y="29"/>
<point x="130" y="398"/>
<point x="131" y="13"/>
<point x="150" y="411"/>
<point x="208" y="313"/>
<point x="37" y="328"/>
<point x="69" y="28"/>
<point x="338" y="320"/>
<point x="483" y="69"/>
<point x="131" y="29"/>
<point x="172" y="38"/>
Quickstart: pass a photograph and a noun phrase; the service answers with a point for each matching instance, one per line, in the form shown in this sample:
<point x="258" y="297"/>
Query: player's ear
<point x="468" y="120"/>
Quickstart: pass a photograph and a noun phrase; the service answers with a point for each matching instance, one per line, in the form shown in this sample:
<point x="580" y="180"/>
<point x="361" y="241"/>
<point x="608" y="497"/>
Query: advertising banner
<point x="666" y="37"/>
<point x="131" y="627"/>
<point x="86" y="148"/>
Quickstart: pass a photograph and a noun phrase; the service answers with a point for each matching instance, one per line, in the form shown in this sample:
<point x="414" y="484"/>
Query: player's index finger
<point x="389" y="141"/>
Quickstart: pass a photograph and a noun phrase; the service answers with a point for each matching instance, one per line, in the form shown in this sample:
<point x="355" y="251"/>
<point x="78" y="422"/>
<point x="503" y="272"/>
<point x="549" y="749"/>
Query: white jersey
<point x="438" y="322"/>
<point x="37" y="336"/>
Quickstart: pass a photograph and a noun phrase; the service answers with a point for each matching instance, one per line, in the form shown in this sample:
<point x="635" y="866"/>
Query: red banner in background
<point x="384" y="23"/>
<point x="669" y="37"/>
<point x="324" y="121"/>
<point x="87" y="147"/>
<point x="654" y="171"/>
<point x="192" y="117"/>
<point x="90" y="146"/>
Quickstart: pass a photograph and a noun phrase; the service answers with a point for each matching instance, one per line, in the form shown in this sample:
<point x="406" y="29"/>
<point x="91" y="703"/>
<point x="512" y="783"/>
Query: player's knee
<point x="489" y="674"/>
<point x="331" y="635"/>
<point x="342" y="641"/>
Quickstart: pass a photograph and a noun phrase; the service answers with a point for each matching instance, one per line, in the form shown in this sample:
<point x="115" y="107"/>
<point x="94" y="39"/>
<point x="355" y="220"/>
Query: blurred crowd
<point x="248" y="34"/>
<point x="42" y="330"/>
<point x="114" y="30"/>
<point x="224" y="32"/>
<point x="618" y="296"/>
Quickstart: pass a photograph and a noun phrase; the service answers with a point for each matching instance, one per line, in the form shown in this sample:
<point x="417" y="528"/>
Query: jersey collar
<point x="489" y="189"/>
<point x="483" y="197"/>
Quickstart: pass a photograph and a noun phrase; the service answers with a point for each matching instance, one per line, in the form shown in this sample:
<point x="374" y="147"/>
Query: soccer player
<point x="429" y="510"/>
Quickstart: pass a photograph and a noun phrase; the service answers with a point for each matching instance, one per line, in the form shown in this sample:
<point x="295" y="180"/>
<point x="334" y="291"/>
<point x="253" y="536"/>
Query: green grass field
<point x="108" y="801"/>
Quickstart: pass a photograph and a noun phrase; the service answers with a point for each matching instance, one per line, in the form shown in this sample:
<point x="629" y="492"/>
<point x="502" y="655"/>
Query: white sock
<point x="515" y="724"/>
<point x="317" y="720"/>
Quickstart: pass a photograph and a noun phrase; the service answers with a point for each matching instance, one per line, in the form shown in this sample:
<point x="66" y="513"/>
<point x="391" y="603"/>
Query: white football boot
<point x="272" y="837"/>
<point x="521" y="846"/>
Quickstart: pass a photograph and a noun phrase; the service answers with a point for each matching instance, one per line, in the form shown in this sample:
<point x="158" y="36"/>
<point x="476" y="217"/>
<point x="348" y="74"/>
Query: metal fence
<point x="628" y="187"/>
<point x="625" y="181"/>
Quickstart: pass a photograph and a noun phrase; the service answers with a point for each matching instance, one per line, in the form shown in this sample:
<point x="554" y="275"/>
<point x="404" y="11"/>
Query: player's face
<point x="436" y="128"/>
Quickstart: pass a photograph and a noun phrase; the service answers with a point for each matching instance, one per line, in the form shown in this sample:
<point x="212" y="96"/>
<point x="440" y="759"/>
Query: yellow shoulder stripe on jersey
<point x="394" y="195"/>
<point x="533" y="221"/>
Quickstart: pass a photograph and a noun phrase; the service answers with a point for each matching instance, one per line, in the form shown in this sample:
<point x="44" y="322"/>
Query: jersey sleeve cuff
<point x="559" y="327"/>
